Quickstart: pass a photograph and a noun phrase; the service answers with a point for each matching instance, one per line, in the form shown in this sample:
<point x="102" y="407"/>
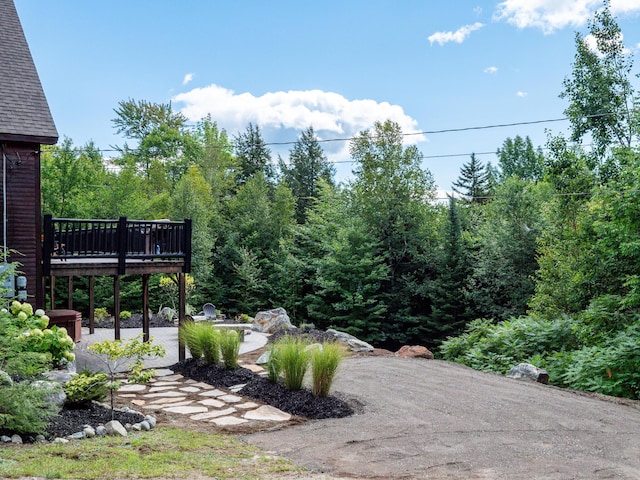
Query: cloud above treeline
<point x="330" y="114"/>
<point x="458" y="36"/>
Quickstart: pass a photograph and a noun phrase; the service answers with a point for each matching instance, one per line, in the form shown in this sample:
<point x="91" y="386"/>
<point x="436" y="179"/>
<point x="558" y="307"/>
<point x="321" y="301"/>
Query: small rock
<point x="127" y="426"/>
<point x="264" y="358"/>
<point x="77" y="436"/>
<point x="16" y="438"/>
<point x="5" y="439"/>
<point x="144" y="425"/>
<point x="114" y="427"/>
<point x="40" y="439"/>
<point x="60" y="440"/>
<point x="354" y="344"/>
<point x="414" y="351"/>
<point x="151" y="420"/>
<point x="101" y="431"/>
<point x="136" y="427"/>
<point x="526" y="371"/>
<point x="89" y="431"/>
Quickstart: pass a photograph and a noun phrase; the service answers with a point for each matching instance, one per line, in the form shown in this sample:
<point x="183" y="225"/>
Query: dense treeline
<point x="546" y="241"/>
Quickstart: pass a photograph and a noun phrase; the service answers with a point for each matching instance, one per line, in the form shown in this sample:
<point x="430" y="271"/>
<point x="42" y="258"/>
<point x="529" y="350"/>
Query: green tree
<point x="253" y="153"/>
<point x="307" y="166"/>
<point x="602" y="100"/>
<point x="473" y="181"/>
<point x="518" y="158"/>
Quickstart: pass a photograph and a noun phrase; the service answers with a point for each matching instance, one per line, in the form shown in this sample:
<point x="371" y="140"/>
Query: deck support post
<point x="182" y="299"/>
<point x="92" y="303"/>
<point x="145" y="307"/>
<point x="70" y="296"/>
<point x="116" y="306"/>
<point x="52" y="293"/>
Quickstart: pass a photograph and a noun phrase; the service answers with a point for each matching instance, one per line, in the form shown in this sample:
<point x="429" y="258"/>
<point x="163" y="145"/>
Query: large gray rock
<point x="526" y="371"/>
<point x="5" y="379"/>
<point x="354" y="344"/>
<point x="271" y="321"/>
<point x="115" y="428"/>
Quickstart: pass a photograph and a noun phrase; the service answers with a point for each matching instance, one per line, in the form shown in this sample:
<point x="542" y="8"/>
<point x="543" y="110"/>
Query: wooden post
<point x="116" y="306"/>
<point x="52" y="293"/>
<point x="145" y="307"/>
<point x="70" y="299"/>
<point x="182" y="299"/>
<point x="92" y="303"/>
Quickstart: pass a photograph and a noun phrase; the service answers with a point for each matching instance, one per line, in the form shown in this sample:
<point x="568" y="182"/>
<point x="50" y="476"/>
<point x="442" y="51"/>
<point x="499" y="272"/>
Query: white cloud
<point x="330" y="114"/>
<point x="521" y="94"/>
<point x="187" y="78"/>
<point x="458" y="36"/>
<point x="491" y="69"/>
<point x="551" y="15"/>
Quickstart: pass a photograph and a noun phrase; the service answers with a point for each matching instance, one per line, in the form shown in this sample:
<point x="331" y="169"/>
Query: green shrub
<point x="324" y="365"/>
<point x="25" y="409"/>
<point x="87" y="386"/>
<point x="100" y="313"/>
<point x="230" y="341"/>
<point x="274" y="367"/>
<point x="293" y="358"/>
<point x="125" y="315"/>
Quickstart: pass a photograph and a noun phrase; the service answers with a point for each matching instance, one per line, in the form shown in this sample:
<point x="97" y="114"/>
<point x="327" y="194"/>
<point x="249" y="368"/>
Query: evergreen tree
<point x="450" y="311"/>
<point x="307" y="166"/>
<point x="473" y="181"/>
<point x="254" y="155"/>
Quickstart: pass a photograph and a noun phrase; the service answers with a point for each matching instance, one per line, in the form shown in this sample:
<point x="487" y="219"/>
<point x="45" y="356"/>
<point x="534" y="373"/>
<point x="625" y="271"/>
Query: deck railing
<point x="122" y="239"/>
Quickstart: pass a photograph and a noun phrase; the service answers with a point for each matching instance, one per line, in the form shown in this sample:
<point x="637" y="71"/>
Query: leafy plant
<point x="24" y="408"/>
<point x="125" y="314"/>
<point x="87" y="386"/>
<point x="230" y="346"/>
<point x="324" y="365"/>
<point x="116" y="354"/>
<point x="202" y="339"/>
<point x="100" y="313"/>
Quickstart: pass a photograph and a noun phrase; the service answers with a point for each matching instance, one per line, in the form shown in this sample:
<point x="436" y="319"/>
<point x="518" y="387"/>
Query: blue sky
<point x="337" y="65"/>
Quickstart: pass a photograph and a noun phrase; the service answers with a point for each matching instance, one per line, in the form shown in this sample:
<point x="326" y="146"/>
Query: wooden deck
<point x="71" y="267"/>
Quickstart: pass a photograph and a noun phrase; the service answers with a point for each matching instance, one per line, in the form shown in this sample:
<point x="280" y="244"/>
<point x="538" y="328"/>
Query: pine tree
<point x="307" y="165"/>
<point x="473" y="182"/>
<point x="254" y="155"/>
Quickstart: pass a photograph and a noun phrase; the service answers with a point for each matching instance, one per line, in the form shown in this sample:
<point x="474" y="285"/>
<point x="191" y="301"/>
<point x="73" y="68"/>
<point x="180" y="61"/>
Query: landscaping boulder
<point x="354" y="344"/>
<point x="5" y="379"/>
<point x="414" y="351"/>
<point x="55" y="393"/>
<point x="115" y="428"/>
<point x="526" y="371"/>
<point x="271" y="321"/>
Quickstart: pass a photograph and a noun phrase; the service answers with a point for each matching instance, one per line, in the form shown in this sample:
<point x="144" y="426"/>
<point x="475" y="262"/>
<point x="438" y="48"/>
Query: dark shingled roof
<point x="24" y="111"/>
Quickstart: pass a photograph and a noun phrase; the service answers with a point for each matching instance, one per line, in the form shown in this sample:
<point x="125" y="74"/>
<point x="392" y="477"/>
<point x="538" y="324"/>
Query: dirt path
<point x="438" y="420"/>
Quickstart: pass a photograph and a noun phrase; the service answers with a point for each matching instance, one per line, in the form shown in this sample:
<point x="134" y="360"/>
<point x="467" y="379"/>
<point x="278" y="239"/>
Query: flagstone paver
<point x="174" y="394"/>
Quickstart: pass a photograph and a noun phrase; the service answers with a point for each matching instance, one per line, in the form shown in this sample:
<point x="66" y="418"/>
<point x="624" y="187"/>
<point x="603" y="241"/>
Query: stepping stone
<point x="237" y="388"/>
<point x="212" y="402"/>
<point x="169" y="400"/>
<point x="213" y="414"/>
<point x="191" y="380"/>
<point x="127" y="395"/>
<point x="171" y="377"/>
<point x="267" y="413"/>
<point x="203" y="385"/>
<point x="230" y="398"/>
<point x="138" y="402"/>
<point x="212" y="393"/>
<point x="185" y="410"/>
<point x="171" y="393"/>
<point x="160" y="389"/>
<point x="190" y="389"/>
<point x="226" y="421"/>
<point x="164" y="372"/>
<point x="254" y="368"/>
<point x="246" y="405"/>
<point x="134" y="387"/>
<point x="166" y="405"/>
<point x="164" y="384"/>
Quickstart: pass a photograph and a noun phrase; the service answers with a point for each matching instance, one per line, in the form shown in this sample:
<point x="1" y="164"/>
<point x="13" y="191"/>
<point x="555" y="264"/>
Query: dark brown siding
<point x="23" y="213"/>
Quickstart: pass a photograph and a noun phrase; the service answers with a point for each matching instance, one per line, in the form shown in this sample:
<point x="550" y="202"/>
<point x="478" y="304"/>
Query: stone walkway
<point x="171" y="393"/>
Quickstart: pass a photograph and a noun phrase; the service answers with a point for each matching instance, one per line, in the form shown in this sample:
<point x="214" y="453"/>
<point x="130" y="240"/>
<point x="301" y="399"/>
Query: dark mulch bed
<point x="302" y="403"/>
<point x="72" y="420"/>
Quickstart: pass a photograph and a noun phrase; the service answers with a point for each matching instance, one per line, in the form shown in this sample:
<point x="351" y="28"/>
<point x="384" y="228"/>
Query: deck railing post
<point x="121" y="235"/>
<point x="186" y="245"/>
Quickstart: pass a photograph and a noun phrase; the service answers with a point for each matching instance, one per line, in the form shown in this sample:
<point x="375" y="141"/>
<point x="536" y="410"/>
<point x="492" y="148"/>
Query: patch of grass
<point x="293" y="359"/>
<point x="324" y="365"/>
<point x="143" y="455"/>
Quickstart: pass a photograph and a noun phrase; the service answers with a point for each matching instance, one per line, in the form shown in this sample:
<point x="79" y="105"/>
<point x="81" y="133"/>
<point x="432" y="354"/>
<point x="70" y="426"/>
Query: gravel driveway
<point x="439" y="420"/>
